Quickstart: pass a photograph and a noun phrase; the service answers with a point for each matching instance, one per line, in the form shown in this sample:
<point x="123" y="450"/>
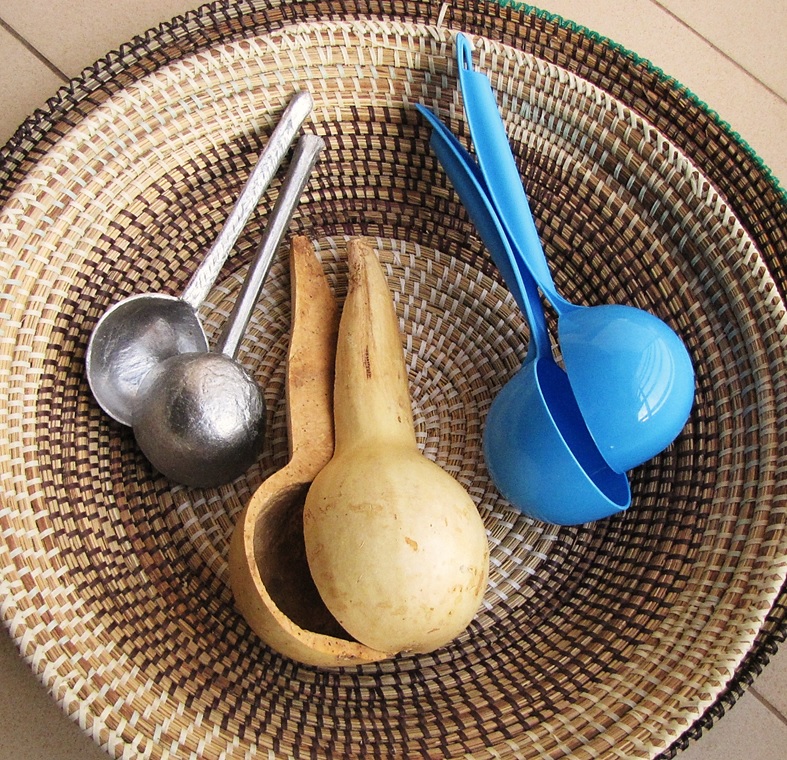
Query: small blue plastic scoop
<point x="537" y="447"/>
<point x="631" y="374"/>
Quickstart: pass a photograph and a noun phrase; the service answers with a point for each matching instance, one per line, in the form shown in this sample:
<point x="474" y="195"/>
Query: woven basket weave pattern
<point x="607" y="640"/>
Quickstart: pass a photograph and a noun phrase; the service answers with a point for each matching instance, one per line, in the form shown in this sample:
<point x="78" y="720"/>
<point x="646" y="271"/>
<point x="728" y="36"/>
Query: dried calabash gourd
<point x="268" y="570"/>
<point x="395" y="545"/>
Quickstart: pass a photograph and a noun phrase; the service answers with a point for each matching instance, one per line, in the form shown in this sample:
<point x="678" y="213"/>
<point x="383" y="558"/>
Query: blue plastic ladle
<point x="537" y="447"/>
<point x="631" y="374"/>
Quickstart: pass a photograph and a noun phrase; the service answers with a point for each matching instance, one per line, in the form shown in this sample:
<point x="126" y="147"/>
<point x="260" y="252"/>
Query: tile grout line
<point x="33" y="50"/>
<point x="768" y="705"/>
<point x="718" y="50"/>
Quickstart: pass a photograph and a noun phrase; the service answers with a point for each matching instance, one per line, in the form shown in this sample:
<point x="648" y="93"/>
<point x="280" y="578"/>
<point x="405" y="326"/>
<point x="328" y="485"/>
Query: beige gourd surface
<point x="395" y="545"/>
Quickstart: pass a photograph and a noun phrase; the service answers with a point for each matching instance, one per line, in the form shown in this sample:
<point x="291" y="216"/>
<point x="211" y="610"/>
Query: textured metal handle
<point x="260" y="178"/>
<point x="305" y="156"/>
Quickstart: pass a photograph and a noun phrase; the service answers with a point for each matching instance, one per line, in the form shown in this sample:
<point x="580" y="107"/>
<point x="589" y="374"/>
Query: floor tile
<point x="742" y="31"/>
<point x="752" y="110"/>
<point x="772" y="683"/>
<point x="25" y="84"/>
<point x="33" y="726"/>
<point x="75" y="33"/>
<point x="749" y="731"/>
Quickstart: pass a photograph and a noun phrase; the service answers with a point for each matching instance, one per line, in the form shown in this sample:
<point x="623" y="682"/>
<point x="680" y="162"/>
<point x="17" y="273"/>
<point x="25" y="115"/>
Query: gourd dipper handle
<point x="311" y="361"/>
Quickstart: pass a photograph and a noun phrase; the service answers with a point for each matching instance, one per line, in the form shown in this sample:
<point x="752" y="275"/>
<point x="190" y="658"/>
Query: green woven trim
<point x="649" y="66"/>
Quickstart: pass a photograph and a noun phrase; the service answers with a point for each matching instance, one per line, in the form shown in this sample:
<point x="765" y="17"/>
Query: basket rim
<point x="640" y="60"/>
<point x="42" y="114"/>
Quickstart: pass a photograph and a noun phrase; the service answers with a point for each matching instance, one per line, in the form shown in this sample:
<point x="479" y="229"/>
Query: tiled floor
<point x="730" y="54"/>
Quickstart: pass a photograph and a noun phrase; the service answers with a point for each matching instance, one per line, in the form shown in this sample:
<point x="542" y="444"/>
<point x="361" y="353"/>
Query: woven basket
<point x="618" y="639"/>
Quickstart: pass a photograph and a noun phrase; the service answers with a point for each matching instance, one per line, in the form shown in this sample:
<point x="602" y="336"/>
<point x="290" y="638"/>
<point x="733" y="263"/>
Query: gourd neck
<point x="371" y="393"/>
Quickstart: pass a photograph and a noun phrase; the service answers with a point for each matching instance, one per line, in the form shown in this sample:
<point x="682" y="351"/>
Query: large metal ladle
<point x="200" y="417"/>
<point x="536" y="445"/>
<point x="140" y="331"/>
<point x="269" y="572"/>
<point x="631" y="374"/>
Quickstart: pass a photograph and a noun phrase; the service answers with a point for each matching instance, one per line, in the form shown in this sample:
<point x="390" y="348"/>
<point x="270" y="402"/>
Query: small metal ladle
<point x="139" y="332"/>
<point x="199" y="417"/>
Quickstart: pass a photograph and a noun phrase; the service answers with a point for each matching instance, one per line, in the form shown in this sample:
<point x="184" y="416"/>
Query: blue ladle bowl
<point x="631" y="374"/>
<point x="537" y="447"/>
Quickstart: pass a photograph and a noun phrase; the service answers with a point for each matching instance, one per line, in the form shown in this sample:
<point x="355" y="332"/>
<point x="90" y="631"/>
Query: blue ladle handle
<point x="468" y="182"/>
<point x="500" y="172"/>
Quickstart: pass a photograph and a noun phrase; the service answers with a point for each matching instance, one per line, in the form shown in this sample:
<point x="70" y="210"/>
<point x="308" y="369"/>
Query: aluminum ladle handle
<point x="304" y="158"/>
<point x="270" y="159"/>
